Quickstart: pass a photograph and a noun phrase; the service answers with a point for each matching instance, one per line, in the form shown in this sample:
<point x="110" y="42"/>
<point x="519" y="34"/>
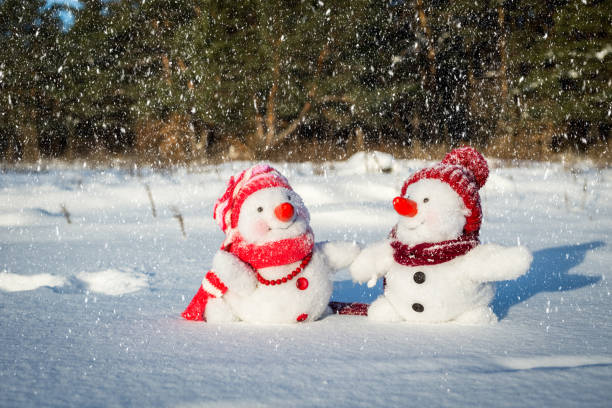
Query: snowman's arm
<point x="490" y="262"/>
<point x="339" y="254"/>
<point x="373" y="262"/>
<point x="236" y="275"/>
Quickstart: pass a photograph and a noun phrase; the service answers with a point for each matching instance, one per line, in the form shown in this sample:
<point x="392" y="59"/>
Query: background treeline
<point x="166" y="81"/>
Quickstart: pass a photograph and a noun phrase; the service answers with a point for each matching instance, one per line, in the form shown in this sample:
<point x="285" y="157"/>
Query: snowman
<point x="434" y="267"/>
<point x="269" y="268"/>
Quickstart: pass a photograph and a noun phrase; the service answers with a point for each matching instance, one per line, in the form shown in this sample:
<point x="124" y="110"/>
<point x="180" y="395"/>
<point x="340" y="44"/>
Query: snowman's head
<point x="442" y="202"/>
<point x="272" y="214"/>
<point x="430" y="211"/>
<point x="260" y="206"/>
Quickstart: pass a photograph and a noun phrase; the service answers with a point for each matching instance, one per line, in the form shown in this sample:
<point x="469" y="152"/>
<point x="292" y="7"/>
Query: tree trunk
<point x="503" y="53"/>
<point x="359" y="139"/>
<point x="431" y="51"/>
<point x="28" y="140"/>
<point x="472" y="88"/>
<point x="259" y="122"/>
<point x="271" y="106"/>
<point x="166" y="67"/>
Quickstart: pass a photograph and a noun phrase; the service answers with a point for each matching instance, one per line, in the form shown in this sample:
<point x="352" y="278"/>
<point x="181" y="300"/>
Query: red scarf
<point x="432" y="253"/>
<point x="283" y="252"/>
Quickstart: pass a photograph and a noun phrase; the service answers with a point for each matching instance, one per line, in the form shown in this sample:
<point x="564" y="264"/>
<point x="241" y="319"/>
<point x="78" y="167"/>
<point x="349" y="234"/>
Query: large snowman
<point x="435" y="270"/>
<point x="269" y="269"/>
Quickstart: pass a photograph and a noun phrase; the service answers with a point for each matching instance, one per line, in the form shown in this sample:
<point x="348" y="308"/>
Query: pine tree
<point x="387" y="77"/>
<point x="160" y="40"/>
<point x="480" y="66"/>
<point x="561" y="52"/>
<point x="262" y="68"/>
<point x="95" y="97"/>
<point x="30" y="66"/>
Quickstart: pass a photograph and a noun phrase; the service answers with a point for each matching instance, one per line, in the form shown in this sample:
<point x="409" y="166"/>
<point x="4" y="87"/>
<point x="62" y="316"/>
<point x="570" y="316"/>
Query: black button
<point x="419" y="277"/>
<point x="417" y="307"/>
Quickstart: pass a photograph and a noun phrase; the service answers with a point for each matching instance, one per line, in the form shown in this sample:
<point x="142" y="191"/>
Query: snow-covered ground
<point x="90" y="310"/>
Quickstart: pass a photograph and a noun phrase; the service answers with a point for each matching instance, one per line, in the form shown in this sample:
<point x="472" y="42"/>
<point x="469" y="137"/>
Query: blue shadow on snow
<point x="549" y="272"/>
<point x="348" y="291"/>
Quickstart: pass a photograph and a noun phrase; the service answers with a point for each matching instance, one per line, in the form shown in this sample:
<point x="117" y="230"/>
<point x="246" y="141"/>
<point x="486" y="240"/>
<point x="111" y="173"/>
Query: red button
<point x="302" y="283"/>
<point x="302" y="317"/>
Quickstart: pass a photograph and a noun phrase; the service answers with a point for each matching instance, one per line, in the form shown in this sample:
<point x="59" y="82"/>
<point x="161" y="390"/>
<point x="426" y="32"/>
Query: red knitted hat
<point x="466" y="171"/>
<point x="227" y="208"/>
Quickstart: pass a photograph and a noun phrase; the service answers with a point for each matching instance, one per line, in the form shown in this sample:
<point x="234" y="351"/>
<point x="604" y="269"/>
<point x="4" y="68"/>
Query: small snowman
<point x="434" y="267"/>
<point x="269" y="268"/>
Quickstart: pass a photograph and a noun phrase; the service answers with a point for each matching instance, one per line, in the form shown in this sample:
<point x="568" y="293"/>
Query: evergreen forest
<point x="176" y="81"/>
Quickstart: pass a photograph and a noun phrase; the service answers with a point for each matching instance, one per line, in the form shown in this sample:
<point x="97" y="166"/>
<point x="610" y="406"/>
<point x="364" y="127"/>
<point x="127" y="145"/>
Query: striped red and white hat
<point x="466" y="171"/>
<point x="227" y="208"/>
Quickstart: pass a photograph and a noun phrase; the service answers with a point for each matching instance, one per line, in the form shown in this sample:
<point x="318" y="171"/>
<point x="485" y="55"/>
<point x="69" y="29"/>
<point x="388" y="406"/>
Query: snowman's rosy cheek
<point x="260" y="228"/>
<point x="432" y="218"/>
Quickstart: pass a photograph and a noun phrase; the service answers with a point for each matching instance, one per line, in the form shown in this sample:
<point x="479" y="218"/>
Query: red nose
<point x="284" y="212"/>
<point x="405" y="206"/>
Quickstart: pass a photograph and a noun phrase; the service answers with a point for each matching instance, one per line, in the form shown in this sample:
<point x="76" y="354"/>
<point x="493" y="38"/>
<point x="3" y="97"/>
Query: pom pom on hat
<point x="472" y="160"/>
<point x="227" y="208"/>
<point x="465" y="170"/>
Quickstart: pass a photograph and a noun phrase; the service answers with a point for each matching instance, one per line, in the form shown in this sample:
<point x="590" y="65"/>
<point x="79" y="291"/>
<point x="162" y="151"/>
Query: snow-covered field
<point x="90" y="310"/>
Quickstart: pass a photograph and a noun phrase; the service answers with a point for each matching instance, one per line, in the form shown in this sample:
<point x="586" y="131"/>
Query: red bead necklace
<point x="287" y="278"/>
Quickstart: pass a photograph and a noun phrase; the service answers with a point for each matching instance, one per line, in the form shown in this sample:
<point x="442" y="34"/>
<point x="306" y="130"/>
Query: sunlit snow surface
<point x="90" y="311"/>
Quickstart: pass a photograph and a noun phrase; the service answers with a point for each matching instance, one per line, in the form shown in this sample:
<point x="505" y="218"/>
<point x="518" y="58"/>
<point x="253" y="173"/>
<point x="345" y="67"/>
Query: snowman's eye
<point x="288" y="197"/>
<point x="426" y="200"/>
<point x="259" y="209"/>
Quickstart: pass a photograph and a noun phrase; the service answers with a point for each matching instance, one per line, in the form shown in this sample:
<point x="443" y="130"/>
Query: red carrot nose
<point x="405" y="206"/>
<point x="284" y="212"/>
